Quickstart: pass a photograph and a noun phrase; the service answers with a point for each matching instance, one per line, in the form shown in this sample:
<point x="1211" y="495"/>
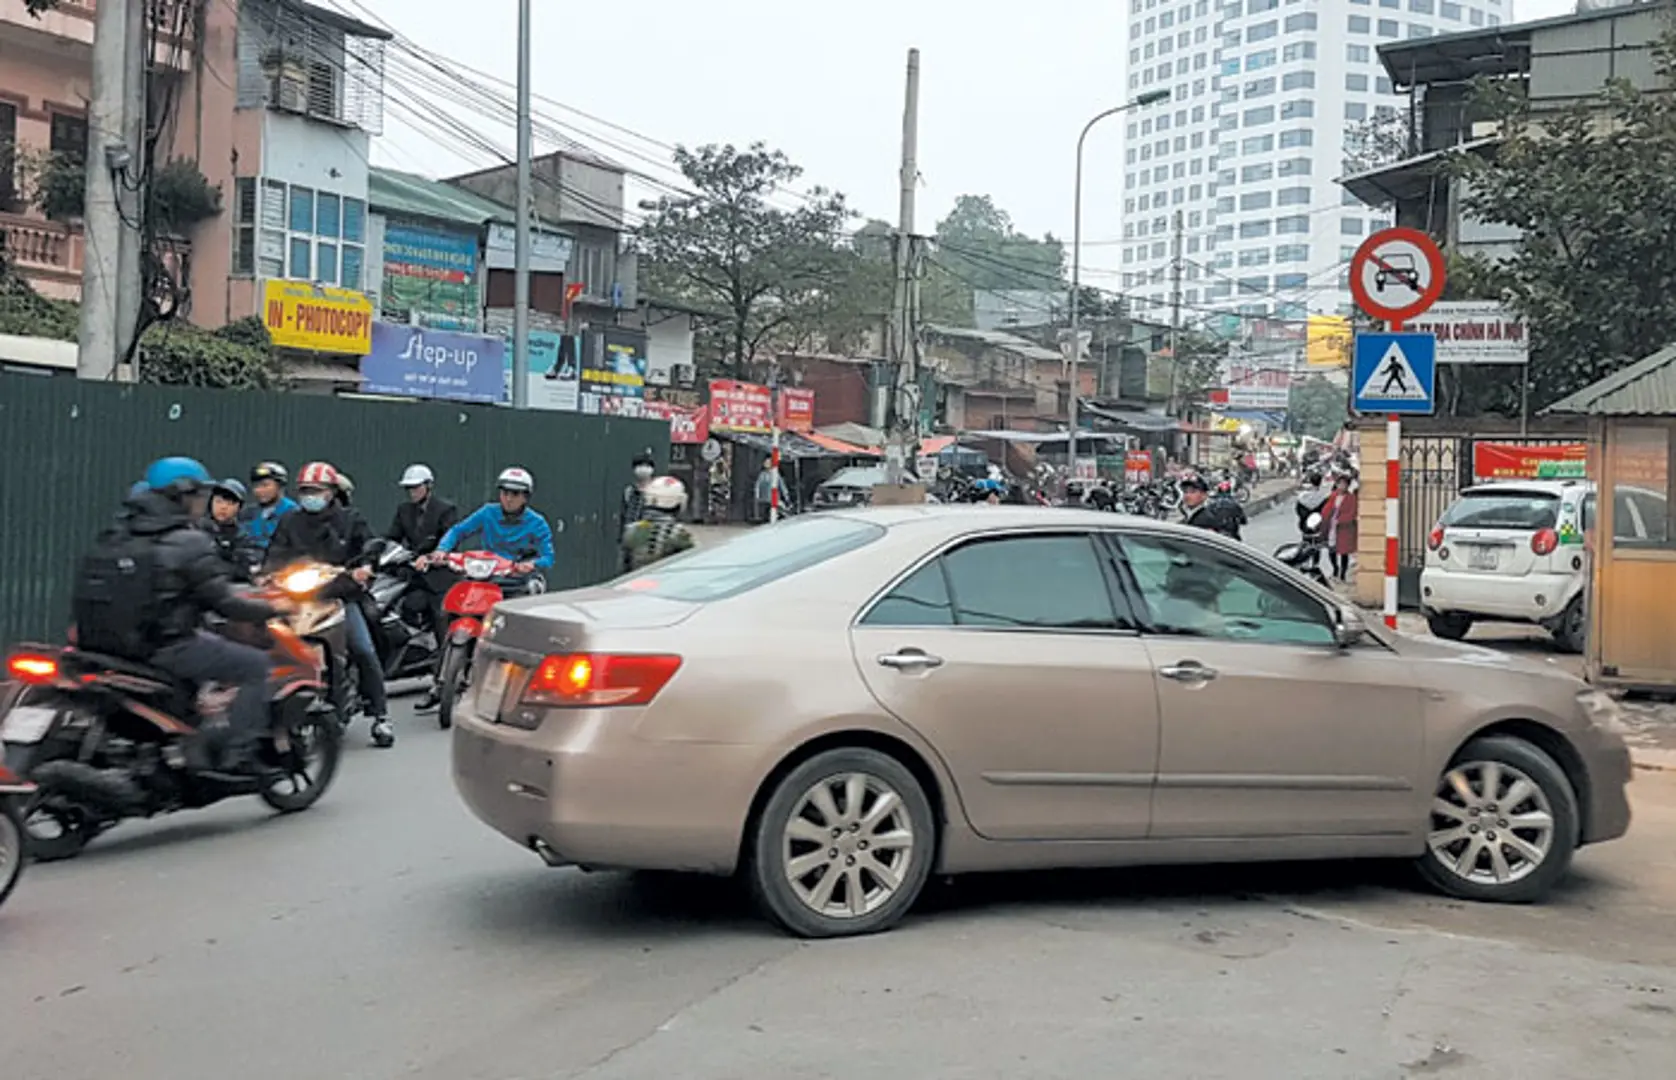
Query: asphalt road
<point x="387" y="934"/>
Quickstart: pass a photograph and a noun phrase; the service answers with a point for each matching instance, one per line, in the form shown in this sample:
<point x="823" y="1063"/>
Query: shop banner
<point x="1509" y="461"/>
<point x="797" y="408"/>
<point x="318" y="318"/>
<point x="740" y="406"/>
<point x="430" y="277"/>
<point x="1137" y="466"/>
<point x="613" y="370"/>
<point x="1329" y="342"/>
<point x="686" y="425"/>
<point x="553" y="382"/>
<point x="1474" y="332"/>
<point x="411" y="361"/>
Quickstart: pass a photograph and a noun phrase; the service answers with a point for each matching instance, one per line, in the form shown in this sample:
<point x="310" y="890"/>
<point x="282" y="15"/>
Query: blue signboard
<point x="1395" y="373"/>
<point x="412" y="361"/>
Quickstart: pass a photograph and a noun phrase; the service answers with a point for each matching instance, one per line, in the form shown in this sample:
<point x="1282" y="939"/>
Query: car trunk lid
<point x="564" y="622"/>
<point x="1490" y="530"/>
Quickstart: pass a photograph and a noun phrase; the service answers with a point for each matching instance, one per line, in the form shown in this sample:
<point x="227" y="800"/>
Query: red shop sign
<point x="740" y="406"/>
<point x="797" y="408"/>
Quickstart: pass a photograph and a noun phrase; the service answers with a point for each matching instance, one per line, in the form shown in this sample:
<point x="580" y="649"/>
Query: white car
<point x="1515" y="551"/>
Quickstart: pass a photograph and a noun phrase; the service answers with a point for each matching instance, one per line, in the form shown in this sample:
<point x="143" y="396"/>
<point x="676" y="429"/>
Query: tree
<point x="730" y="247"/>
<point x="977" y="243"/>
<point x="1379" y="140"/>
<point x="1198" y="365"/>
<point x="1317" y="407"/>
<point x="1590" y="191"/>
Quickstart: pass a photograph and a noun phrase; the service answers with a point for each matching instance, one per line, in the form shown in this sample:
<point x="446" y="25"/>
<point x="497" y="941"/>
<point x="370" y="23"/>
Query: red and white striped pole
<point x="774" y="455"/>
<point x="1393" y="507"/>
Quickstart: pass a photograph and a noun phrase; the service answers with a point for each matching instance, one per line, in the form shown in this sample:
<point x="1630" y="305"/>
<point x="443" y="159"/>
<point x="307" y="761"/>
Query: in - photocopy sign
<point x="1474" y="332"/>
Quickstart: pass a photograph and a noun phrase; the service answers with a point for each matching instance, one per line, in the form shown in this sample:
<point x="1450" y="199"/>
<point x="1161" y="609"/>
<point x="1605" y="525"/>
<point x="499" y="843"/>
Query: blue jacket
<point x="258" y="522"/>
<point x="507" y="537"/>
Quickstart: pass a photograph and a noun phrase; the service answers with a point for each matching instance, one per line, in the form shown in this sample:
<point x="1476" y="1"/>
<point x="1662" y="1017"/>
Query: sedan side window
<point x="922" y="599"/>
<point x="1033" y="582"/>
<point x="1201" y="591"/>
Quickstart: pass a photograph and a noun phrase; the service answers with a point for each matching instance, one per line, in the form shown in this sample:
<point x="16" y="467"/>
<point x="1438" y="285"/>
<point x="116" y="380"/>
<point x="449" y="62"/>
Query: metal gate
<point x="1434" y="470"/>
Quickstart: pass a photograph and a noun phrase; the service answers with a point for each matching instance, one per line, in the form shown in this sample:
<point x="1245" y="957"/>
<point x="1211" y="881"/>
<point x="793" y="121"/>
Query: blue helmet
<point x="986" y="485"/>
<point x="232" y="489"/>
<point x="177" y="476"/>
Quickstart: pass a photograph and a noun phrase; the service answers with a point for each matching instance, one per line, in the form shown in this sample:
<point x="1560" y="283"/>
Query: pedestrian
<point x="1341" y="527"/>
<point x="1202" y="512"/>
<point x="768" y="481"/>
<point x="633" y="508"/>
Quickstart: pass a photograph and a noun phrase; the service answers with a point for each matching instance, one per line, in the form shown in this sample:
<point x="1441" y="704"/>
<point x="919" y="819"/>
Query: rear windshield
<point x="1526" y="510"/>
<point x="760" y="556"/>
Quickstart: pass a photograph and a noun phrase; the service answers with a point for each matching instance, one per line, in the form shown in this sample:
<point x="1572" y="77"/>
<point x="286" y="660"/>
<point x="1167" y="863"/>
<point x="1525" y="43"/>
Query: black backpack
<point x="115" y="600"/>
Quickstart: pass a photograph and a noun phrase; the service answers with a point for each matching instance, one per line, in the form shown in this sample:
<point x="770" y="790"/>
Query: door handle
<point x="1188" y="672"/>
<point x="909" y="659"/>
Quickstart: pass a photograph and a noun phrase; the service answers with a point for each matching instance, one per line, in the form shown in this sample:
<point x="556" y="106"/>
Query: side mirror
<point x="1348" y="627"/>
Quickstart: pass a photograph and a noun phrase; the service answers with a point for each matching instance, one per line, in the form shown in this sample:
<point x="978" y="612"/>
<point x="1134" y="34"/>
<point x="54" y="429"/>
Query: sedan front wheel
<point x="1503" y="823"/>
<point x="843" y="846"/>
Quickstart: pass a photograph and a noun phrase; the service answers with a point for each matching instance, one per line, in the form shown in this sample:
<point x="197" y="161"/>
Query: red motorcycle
<point x="15" y="793"/>
<point x="486" y="580"/>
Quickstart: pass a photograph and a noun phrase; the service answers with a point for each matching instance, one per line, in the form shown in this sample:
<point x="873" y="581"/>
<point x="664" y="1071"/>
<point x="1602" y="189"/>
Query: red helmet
<point x="1224" y="487"/>
<point x="319" y="474"/>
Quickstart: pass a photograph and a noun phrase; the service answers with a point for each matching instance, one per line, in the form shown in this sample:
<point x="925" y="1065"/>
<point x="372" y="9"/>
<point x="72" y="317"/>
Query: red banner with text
<point x="797" y="408"/>
<point x="686" y="425"/>
<point x="740" y="406"/>
<point x="1510" y="461"/>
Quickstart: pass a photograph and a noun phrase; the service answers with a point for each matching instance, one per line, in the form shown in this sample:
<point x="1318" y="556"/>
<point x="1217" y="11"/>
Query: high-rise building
<point x="1249" y="146"/>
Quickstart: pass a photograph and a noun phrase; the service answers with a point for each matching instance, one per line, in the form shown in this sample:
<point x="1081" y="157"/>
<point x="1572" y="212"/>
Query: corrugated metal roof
<point x="1645" y="388"/>
<point x="410" y="195"/>
<point x="996" y="339"/>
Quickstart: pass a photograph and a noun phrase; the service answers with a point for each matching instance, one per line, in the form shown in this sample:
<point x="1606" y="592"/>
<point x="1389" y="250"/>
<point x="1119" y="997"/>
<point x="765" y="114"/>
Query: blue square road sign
<point x="1394" y="373"/>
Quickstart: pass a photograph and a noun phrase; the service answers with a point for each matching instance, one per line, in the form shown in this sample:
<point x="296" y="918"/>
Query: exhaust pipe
<point x="108" y="792"/>
<point x="545" y="850"/>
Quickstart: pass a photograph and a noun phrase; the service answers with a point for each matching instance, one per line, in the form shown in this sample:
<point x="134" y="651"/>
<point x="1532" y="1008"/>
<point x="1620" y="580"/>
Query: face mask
<point x="314" y="503"/>
<point x="642" y="472"/>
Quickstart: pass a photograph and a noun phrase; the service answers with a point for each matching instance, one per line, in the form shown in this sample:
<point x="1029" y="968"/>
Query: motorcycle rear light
<point x="1545" y="541"/>
<point x="599" y="680"/>
<point x="32" y="669"/>
<point x="1434" y="539"/>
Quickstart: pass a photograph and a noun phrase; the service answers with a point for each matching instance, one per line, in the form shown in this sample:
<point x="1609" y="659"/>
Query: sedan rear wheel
<point x="843" y="846"/>
<point x="1503" y="823"/>
<point x="1451" y="625"/>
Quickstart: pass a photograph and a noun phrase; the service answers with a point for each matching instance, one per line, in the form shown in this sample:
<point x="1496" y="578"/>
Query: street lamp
<point x="1151" y="97"/>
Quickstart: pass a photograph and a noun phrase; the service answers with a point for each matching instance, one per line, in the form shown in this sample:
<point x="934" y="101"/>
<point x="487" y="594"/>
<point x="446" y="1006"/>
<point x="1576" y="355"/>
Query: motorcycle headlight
<point x="302" y="582"/>
<point x="1603" y="711"/>
<point x="478" y="569"/>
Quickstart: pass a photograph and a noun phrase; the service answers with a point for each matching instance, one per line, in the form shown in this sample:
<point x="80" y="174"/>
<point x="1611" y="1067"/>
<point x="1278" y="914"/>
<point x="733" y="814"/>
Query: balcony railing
<point x="42" y="248"/>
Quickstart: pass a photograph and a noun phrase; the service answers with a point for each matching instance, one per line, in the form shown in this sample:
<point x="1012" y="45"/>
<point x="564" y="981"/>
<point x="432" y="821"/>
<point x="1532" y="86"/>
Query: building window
<point x="1254" y="230"/>
<point x="1225" y="204"/>
<point x="1295" y="223"/>
<point x="1259" y="87"/>
<point x="1296" y="137"/>
<point x="1256" y="200"/>
<point x="244" y="226"/>
<point x="1360" y="24"/>
<point x="1259" y="116"/>
<point x="1293" y="110"/>
<point x="1262" y="31"/>
<point x="1300" y="50"/>
<point x="1356" y="81"/>
<point x="1302" y="21"/>
<point x="1475" y="16"/>
<point x="1358" y="54"/>
<point x="1350" y="226"/>
<point x="67" y="136"/>
<point x="1258" y="284"/>
<point x="1388" y="28"/>
<point x="1253" y="174"/>
<point x="1292" y="196"/>
<point x="1450" y="11"/>
<point x="1262" y="59"/>
<point x="1415" y="30"/>
<point x="1291" y="252"/>
<point x="1291" y="281"/>
<point x="302" y="234"/>
<point x="1294" y="167"/>
<point x="1254" y="257"/>
<point x="302" y="251"/>
<point x="1258" y="144"/>
<point x="1424" y="7"/>
<point x="1355" y="110"/>
<point x="1298" y="80"/>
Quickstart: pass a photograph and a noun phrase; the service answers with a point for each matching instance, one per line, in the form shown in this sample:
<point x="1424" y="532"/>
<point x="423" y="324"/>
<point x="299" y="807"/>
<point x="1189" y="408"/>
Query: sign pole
<point x="1393" y="505"/>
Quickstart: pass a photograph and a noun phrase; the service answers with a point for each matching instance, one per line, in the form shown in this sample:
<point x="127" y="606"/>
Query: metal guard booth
<point x="1632" y="537"/>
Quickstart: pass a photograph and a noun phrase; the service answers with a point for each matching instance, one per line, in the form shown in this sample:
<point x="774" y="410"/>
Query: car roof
<point x="1551" y="487"/>
<point x="957" y="519"/>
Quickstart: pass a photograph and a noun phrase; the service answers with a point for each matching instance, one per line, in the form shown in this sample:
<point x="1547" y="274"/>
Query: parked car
<point x="1514" y="551"/>
<point x="841" y="706"/>
<point x="848" y="487"/>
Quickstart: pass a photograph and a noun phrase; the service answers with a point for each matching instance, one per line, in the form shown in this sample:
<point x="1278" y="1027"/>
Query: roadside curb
<point x="1652" y="759"/>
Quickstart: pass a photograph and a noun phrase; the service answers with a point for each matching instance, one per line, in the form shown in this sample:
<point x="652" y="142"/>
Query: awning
<point x="839" y="446"/>
<point x="1134" y="421"/>
<point x="792" y="444"/>
<point x="1039" y="438"/>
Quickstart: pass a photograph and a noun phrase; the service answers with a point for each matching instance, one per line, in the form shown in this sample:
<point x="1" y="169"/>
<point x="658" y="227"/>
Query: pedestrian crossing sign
<point x="1394" y="373"/>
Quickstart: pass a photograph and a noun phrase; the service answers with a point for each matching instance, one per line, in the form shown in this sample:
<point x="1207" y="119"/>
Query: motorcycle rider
<point x="183" y="579"/>
<point x="326" y="531"/>
<point x="1233" y="514"/>
<point x="1312" y="496"/>
<point x="659" y="532"/>
<point x="419" y="524"/>
<point x="1200" y="511"/>
<point x="227" y="499"/>
<point x="507" y="526"/>
<point x="267" y="485"/>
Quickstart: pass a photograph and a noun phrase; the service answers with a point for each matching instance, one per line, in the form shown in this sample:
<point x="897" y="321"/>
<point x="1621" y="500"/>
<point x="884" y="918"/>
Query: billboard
<point x="1329" y="342"/>
<point x="740" y="406"/>
<point x="318" y="318"/>
<point x="412" y="361"/>
<point x="1474" y="332"/>
<point x="430" y="278"/>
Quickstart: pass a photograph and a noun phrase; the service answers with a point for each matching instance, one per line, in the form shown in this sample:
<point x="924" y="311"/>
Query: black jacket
<point x="234" y="547"/>
<point x="633" y="508"/>
<point x="1218" y="515"/>
<point x="418" y="526"/>
<point x="336" y="536"/>
<point x="191" y="577"/>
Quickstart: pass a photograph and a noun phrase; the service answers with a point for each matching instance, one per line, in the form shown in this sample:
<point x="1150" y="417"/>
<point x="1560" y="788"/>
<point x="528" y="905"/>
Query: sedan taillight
<point x="599" y="680"/>
<point x="1545" y="541"/>
<point x="1435" y="539"/>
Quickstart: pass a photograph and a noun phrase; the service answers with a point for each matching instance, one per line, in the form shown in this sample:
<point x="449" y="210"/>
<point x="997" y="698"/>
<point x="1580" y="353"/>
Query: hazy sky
<point x="1005" y="87"/>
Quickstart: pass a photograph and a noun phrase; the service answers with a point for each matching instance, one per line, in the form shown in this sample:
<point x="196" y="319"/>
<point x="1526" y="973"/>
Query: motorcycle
<point x="406" y="647"/>
<point x="103" y="739"/>
<point x="1304" y="554"/>
<point x="485" y="582"/>
<point x="15" y="794"/>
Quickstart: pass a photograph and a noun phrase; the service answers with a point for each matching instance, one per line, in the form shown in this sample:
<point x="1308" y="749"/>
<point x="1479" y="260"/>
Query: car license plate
<point x="494" y="685"/>
<point x="1483" y="557"/>
<point x="27" y="724"/>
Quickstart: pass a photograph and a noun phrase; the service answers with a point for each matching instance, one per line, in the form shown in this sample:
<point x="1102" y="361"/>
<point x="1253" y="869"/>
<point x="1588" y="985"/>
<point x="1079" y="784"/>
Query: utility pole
<point x="904" y="424"/>
<point x="1175" y="308"/>
<point x="521" y="249"/>
<point x="131" y="284"/>
<point x="108" y="200"/>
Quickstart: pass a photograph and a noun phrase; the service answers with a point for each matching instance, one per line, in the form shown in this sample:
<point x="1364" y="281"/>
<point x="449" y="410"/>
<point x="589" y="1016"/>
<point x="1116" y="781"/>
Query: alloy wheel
<point x="848" y="846"/>
<point x="1491" y="824"/>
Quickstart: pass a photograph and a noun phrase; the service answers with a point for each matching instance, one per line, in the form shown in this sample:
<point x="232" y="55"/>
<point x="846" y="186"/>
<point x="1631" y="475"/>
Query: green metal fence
<point x="69" y="450"/>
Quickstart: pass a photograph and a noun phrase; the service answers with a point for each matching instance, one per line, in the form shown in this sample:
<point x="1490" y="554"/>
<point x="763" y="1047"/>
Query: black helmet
<point x="270" y="470"/>
<point x="231" y="488"/>
<point x="645" y="457"/>
<point x="1194" y="482"/>
<point x="1313" y="478"/>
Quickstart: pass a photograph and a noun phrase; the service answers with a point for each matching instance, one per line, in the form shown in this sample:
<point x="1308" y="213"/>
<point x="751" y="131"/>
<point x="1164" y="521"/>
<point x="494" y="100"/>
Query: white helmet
<point x="415" y="475"/>
<point x="664" y="493"/>
<point x="515" y="479"/>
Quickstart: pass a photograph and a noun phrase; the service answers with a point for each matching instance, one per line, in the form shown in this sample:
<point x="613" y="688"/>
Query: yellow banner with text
<point x="300" y="315"/>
